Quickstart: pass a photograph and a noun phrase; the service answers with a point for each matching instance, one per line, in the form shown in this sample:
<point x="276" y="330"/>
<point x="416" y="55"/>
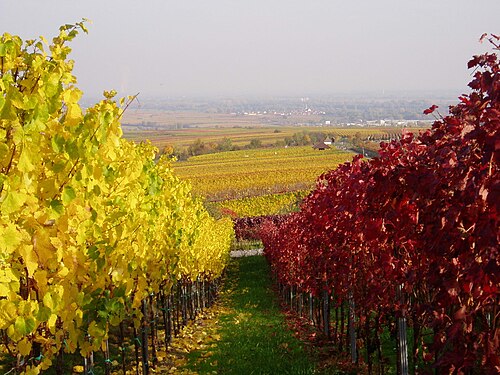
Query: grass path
<point x="252" y="334"/>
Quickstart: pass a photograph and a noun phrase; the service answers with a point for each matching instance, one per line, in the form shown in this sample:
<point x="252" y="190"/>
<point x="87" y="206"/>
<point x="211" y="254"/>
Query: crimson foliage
<point x="423" y="215"/>
<point x="248" y="228"/>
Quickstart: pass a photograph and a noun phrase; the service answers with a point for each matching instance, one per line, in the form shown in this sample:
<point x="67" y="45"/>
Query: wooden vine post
<point x="402" y="340"/>
<point x="352" y="330"/>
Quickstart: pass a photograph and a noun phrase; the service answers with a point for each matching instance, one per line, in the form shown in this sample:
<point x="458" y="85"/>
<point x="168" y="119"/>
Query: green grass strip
<point x="254" y="335"/>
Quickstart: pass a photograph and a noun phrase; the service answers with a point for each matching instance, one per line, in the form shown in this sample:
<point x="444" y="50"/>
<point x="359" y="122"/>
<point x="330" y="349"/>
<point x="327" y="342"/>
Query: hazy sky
<point x="264" y="47"/>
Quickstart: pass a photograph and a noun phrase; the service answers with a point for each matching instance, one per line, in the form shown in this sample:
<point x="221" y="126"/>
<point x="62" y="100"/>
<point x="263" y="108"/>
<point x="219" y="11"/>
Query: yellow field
<point x="274" y="204"/>
<point x="237" y="174"/>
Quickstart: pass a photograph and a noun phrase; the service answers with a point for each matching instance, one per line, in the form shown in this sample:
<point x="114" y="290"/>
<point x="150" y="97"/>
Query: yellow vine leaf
<point x="8" y="313"/>
<point x="10" y="238"/>
<point x="24" y="346"/>
<point x="29" y="257"/>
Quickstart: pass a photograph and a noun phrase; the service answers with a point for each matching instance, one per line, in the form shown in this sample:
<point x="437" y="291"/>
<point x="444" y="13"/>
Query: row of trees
<point x="200" y="148"/>
<point x="412" y="235"/>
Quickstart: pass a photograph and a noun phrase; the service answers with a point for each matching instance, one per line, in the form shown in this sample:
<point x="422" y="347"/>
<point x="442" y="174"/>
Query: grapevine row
<point x="410" y="237"/>
<point x="275" y="204"/>
<point x="91" y="225"/>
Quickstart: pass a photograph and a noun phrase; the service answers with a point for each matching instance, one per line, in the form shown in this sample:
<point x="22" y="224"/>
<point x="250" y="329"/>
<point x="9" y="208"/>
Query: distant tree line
<point x="305" y="138"/>
<point x="302" y="138"/>
<point x="200" y="147"/>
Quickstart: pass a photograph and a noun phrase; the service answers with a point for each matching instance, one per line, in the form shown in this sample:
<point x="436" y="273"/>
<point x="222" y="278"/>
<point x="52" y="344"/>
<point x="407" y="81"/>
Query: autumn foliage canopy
<point x="423" y="215"/>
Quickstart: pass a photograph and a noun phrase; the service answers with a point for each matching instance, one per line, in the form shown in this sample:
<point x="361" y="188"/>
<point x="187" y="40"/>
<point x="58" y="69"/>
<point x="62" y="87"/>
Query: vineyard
<point x="245" y="173"/>
<point x="108" y="250"/>
<point x="263" y="205"/>
<point x="404" y="248"/>
<point x="98" y="239"/>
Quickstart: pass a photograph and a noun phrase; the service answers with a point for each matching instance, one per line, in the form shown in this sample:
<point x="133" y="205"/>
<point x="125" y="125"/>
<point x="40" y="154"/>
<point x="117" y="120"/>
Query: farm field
<point x="245" y="173"/>
<point x="181" y="129"/>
